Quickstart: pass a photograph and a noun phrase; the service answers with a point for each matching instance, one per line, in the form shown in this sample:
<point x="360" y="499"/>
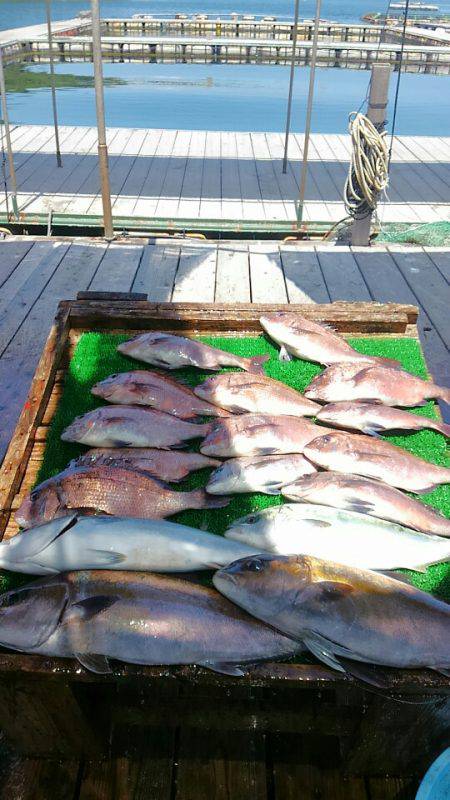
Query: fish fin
<point x="101" y="558"/>
<point x="373" y="429"/>
<point x="443" y="393"/>
<point x="330" y="591"/>
<point x="443" y="671"/>
<point x="238" y="410"/>
<point x="318" y="523"/>
<point x="321" y="648"/>
<point x="256" y="364"/>
<point x="271" y="488"/>
<point x="201" y="499"/>
<point x="30" y="545"/>
<point x="365" y="673"/>
<point x="121" y="443"/>
<point x="267" y="451"/>
<point x="361" y="506"/>
<point x="283" y="355"/>
<point x="94" y="663"/>
<point x="224" y="668"/>
<point x="397" y="576"/>
<point x="86" y="609"/>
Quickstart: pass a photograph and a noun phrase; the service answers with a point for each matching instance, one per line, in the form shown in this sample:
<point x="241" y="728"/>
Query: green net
<point x="429" y="234"/>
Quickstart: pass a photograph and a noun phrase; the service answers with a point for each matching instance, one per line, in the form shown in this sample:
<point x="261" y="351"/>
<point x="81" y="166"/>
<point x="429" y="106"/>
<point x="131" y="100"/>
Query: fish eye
<point x="251" y="519"/>
<point x="255" y="566"/>
<point x="326" y="439"/>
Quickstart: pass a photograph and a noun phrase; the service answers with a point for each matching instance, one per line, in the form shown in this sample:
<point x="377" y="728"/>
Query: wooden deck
<point x="36" y="274"/>
<point x="218" y="175"/>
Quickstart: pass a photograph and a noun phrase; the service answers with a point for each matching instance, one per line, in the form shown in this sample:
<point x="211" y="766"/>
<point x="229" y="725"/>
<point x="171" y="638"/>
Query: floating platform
<point x="198" y="180"/>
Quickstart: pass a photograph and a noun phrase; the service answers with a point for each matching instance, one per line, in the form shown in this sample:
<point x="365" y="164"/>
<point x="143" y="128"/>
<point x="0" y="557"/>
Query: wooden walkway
<point x="218" y="175"/>
<point x="36" y="274"/>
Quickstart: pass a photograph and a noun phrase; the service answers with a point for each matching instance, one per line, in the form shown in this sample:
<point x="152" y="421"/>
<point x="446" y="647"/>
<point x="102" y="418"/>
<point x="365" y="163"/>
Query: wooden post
<point x="376" y="112"/>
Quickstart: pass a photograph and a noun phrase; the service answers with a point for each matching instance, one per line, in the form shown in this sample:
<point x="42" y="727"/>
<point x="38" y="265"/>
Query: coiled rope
<point x="368" y="174"/>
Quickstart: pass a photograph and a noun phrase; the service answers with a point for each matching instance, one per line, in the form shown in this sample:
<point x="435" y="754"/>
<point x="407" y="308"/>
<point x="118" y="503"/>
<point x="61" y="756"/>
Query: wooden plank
<point x="97" y="781"/>
<point x="22" y="273"/>
<point x="268" y="178"/>
<point x="304" y="279"/>
<point x="266" y="273"/>
<point x="117" y="269"/>
<point x="231" y="185"/>
<point x="428" y="285"/>
<point x="39" y="779"/>
<point x="196" y="275"/>
<point x="233" y="273"/>
<point x="252" y="201"/>
<point x="151" y="190"/>
<point x="132" y="187"/>
<point x="220" y="766"/>
<point x="156" y="272"/>
<point x="189" y="205"/>
<point x="341" y="273"/>
<point x="169" y="199"/>
<point x="149" y="773"/>
<point x="11" y="254"/>
<point x="441" y="259"/>
<point x="211" y="192"/>
<point x="392" y="788"/>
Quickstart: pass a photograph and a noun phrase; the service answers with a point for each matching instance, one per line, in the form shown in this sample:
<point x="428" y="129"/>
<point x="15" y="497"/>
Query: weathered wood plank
<point x="233" y="273"/>
<point x="441" y="259"/>
<point x="266" y="273"/>
<point x="39" y="779"/>
<point x="117" y="268"/>
<point x="304" y="279"/>
<point x="156" y="272"/>
<point x="196" y="275"/>
<point x="11" y="254"/>
<point x="342" y="276"/>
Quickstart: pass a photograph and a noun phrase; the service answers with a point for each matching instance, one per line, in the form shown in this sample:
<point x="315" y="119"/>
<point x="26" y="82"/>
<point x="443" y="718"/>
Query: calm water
<point x="218" y="97"/>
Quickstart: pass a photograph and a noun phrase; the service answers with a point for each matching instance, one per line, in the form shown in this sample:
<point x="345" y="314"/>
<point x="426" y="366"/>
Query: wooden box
<point x="54" y="707"/>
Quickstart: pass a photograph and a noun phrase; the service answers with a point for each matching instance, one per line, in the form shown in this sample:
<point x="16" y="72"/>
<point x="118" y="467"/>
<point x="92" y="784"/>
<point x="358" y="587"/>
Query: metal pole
<point x="52" y="81"/>
<point x="100" y="109"/>
<point x="12" y="169"/>
<point x="376" y="112"/>
<point x="312" y="75"/>
<point x="291" y="84"/>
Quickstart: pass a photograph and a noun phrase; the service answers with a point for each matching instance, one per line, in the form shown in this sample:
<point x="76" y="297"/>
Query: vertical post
<point x="376" y="112"/>
<point x="52" y="81"/>
<point x="312" y="75"/>
<point x="100" y="109"/>
<point x="12" y="169"/>
<point x="291" y="85"/>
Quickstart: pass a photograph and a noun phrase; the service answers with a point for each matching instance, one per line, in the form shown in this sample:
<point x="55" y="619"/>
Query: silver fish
<point x="78" y="542"/>
<point x="172" y="352"/>
<point x="131" y="426"/>
<point x="167" y="465"/>
<point x="375" y="458"/>
<point x="136" y="617"/>
<point x="242" y="393"/>
<point x="266" y="474"/>
<point x="373" y="418"/>
<point x="146" y="388"/>
<point x="355" y="493"/>
<point x="342" y="614"/>
<point x="259" y="434"/>
<point x="313" y="341"/>
<point x="382" y="384"/>
<point x="333" y="534"/>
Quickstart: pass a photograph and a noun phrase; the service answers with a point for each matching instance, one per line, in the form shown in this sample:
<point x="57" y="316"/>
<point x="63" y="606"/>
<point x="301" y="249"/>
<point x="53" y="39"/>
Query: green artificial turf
<point x="96" y="357"/>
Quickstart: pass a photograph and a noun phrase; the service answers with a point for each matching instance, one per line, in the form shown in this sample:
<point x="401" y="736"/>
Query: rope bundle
<point x="368" y="173"/>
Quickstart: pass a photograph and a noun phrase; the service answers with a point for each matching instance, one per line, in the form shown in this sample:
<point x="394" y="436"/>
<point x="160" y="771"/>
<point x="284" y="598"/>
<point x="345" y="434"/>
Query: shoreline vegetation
<point x="19" y="79"/>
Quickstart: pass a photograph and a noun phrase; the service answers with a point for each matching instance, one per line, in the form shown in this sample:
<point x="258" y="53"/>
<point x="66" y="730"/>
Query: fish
<point x="348" y="618"/>
<point x="375" y="458"/>
<point x="132" y="426"/>
<point x="108" y="490"/>
<point x="368" y="496"/>
<point x="171" y="352"/>
<point x="381" y="384"/>
<point x="313" y="341"/>
<point x="259" y="434"/>
<point x="348" y="537"/>
<point x="138" y="618"/>
<point x="373" y="418"/>
<point x="116" y="543"/>
<point x="167" y="465"/>
<point x="266" y="474"/>
<point x="241" y="393"/>
<point x="146" y="388"/>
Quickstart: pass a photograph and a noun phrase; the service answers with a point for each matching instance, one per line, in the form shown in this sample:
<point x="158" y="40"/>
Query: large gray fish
<point x="355" y="493"/>
<point x="351" y="538"/>
<point x="108" y="490"/>
<point x="146" y="388"/>
<point x="374" y="418"/>
<point x="259" y="434"/>
<point x="382" y="384"/>
<point x="131" y="426"/>
<point x="167" y="465"/>
<point x="375" y="458"/>
<point x="241" y="393"/>
<point x="78" y="542"/>
<point x="172" y="352"/>
<point x="312" y="341"/>
<point x="266" y="474"/>
<point x="342" y="614"/>
<point x="136" y="617"/>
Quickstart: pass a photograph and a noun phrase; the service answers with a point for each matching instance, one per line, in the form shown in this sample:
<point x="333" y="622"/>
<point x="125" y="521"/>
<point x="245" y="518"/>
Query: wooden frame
<point x="52" y="706"/>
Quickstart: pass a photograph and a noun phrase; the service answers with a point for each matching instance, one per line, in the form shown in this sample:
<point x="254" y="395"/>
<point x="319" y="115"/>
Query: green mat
<point x="96" y="357"/>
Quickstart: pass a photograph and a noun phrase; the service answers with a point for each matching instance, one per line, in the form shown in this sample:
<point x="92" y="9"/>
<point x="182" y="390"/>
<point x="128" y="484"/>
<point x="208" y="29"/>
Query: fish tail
<point x="443" y="428"/>
<point x="443" y="393"/>
<point x="255" y="364"/>
<point x="200" y="499"/>
<point x="205" y="429"/>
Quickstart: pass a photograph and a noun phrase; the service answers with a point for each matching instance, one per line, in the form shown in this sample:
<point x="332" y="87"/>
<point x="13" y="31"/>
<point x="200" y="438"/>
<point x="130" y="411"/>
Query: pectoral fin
<point x="284" y="355"/>
<point x="224" y="668"/>
<point x="94" y="663"/>
<point x="86" y="609"/>
<point x="322" y="649"/>
<point x="359" y="505"/>
<point x="103" y="558"/>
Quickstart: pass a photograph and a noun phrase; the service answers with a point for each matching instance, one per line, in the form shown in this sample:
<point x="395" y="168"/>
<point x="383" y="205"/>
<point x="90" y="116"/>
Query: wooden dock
<point x="222" y="176"/>
<point x="36" y="273"/>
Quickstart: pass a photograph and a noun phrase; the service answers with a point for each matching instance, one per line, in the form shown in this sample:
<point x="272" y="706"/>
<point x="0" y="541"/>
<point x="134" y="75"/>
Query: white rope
<point x="368" y="173"/>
